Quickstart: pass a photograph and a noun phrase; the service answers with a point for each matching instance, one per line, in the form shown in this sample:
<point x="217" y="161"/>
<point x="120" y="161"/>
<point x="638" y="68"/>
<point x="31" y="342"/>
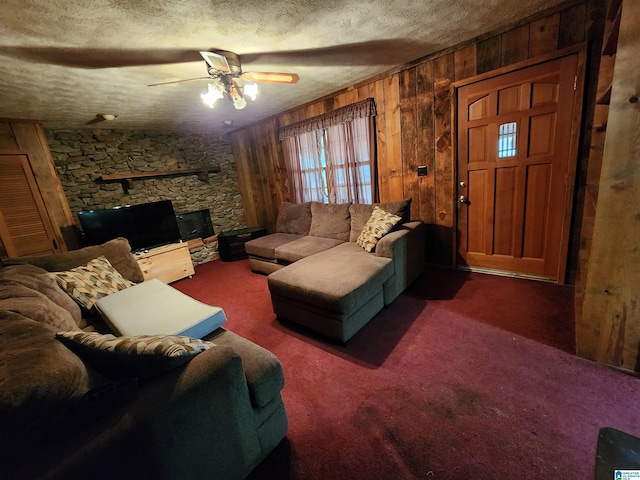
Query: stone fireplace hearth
<point x="81" y="157"/>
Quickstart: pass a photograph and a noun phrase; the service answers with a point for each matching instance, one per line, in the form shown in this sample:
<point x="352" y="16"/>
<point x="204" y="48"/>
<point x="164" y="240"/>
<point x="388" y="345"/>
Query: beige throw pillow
<point x="89" y="283"/>
<point x="360" y="213"/>
<point x="379" y="224"/>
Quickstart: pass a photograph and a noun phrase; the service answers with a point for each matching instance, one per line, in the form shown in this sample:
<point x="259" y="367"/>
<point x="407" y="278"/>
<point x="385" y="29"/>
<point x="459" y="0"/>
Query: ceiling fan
<point x="224" y="68"/>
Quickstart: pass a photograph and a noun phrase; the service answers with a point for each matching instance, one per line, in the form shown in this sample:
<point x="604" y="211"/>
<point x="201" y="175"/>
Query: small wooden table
<point x="167" y="263"/>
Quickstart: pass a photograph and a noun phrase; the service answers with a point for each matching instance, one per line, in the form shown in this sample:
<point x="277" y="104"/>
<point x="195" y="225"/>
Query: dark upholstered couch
<point x="321" y="278"/>
<point x="216" y="416"/>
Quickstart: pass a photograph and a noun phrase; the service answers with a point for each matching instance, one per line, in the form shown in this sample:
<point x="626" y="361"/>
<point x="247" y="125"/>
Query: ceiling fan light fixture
<point x="223" y="68"/>
<point x="214" y="93"/>
<point x="251" y="89"/>
<point x="239" y="103"/>
<point x="234" y="93"/>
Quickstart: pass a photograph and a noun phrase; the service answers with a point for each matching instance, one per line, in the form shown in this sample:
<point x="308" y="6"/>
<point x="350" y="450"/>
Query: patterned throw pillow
<point x="89" y="283"/>
<point x="379" y="224"/>
<point x="140" y="355"/>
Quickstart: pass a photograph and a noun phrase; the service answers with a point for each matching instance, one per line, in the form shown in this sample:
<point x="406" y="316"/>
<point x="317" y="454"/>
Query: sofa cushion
<point x="294" y="218"/>
<point x="117" y="251"/>
<point x="379" y="224"/>
<point x="361" y="212"/>
<point x="89" y="283"/>
<point x="142" y="355"/>
<point x="28" y="290"/>
<point x="155" y="308"/>
<point x="265" y="247"/>
<point x="39" y="378"/>
<point x="330" y="220"/>
<point x="303" y="247"/>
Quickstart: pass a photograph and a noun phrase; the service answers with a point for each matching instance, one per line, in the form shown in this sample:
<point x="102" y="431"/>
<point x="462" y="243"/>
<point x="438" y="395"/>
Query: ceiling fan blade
<point x="376" y="52"/>
<point x="389" y="52"/>
<point x="179" y="81"/>
<point x="272" y="77"/>
<point x="91" y="58"/>
<point x="216" y="61"/>
<point x="101" y="117"/>
<point x="97" y="119"/>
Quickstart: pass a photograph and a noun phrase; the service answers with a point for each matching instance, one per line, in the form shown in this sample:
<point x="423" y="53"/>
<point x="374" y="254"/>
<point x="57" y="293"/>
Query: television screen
<point x="145" y="226"/>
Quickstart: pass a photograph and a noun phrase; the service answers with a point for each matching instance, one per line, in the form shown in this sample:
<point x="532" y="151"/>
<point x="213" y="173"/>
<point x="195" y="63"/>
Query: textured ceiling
<point x="64" y="61"/>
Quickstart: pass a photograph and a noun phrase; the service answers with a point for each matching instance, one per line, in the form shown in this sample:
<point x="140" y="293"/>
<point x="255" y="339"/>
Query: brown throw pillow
<point x="30" y="291"/>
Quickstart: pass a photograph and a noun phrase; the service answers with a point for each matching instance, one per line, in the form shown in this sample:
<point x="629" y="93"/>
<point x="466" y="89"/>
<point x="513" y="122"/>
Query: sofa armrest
<point x="210" y="412"/>
<point x="193" y="422"/>
<point x="408" y="235"/>
<point x="406" y="247"/>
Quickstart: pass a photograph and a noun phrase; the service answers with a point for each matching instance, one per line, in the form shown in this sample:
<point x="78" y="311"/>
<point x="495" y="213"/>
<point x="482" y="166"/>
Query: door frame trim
<point x="580" y="51"/>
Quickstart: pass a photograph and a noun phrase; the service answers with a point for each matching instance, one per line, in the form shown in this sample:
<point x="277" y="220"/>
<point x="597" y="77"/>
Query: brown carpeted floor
<point x="464" y="376"/>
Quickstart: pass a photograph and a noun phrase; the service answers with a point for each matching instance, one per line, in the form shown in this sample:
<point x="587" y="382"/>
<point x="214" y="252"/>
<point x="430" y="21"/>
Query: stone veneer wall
<point x="81" y="157"/>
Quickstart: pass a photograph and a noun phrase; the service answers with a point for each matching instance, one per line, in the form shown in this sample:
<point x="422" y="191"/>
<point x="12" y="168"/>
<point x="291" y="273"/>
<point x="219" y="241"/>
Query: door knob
<point x="462" y="199"/>
<point x="462" y="185"/>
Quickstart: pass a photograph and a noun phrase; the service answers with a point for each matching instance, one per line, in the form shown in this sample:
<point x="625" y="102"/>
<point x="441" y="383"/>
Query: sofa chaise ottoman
<point x="335" y="293"/>
<point x="320" y="275"/>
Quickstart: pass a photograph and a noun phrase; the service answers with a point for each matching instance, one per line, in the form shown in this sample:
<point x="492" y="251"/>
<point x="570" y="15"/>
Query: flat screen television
<point x="146" y="225"/>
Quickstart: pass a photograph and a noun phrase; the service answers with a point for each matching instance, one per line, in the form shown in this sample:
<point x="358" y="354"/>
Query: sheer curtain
<point x="349" y="150"/>
<point x="305" y="172"/>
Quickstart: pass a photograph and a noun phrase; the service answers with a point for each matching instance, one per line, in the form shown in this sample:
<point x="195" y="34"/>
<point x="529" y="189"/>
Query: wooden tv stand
<point x="167" y="263"/>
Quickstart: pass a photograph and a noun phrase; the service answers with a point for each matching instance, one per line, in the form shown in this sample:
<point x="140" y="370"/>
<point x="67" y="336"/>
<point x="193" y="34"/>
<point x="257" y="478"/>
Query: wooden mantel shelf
<point x="125" y="178"/>
<point x="116" y="177"/>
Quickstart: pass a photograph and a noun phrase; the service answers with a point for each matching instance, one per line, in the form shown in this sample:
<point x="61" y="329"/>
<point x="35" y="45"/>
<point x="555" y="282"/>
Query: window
<point x="331" y="161"/>
<point x="313" y="169"/>
<point x="507" y="140"/>
<point x="349" y="155"/>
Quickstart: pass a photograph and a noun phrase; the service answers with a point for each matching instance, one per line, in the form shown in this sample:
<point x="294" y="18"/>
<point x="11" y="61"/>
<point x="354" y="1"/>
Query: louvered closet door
<point x="25" y="226"/>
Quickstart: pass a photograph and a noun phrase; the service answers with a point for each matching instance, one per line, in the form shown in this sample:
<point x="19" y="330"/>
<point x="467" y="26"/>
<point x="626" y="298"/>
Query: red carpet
<point x="464" y="376"/>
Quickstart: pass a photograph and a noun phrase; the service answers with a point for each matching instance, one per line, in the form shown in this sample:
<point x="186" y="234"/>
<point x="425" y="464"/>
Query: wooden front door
<point x="514" y="141"/>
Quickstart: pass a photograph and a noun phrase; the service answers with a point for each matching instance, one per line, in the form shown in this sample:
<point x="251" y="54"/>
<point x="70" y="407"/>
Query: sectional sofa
<point x="323" y="271"/>
<point x="68" y="413"/>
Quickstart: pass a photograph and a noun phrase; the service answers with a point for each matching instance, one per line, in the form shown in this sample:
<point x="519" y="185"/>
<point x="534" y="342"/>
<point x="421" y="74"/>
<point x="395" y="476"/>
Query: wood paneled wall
<point x="413" y="123"/>
<point x="609" y="328"/>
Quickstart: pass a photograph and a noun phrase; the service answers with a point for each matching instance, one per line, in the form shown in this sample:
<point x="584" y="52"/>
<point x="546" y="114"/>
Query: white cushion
<point x="155" y="308"/>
